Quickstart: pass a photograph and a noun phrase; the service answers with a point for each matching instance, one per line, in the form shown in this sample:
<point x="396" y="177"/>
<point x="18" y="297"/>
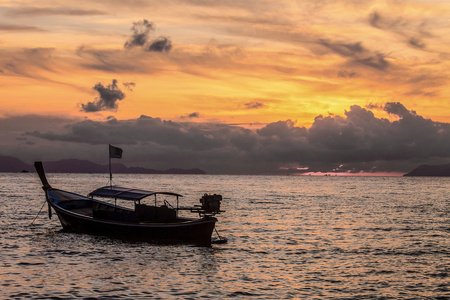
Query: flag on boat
<point x="115" y="152"/>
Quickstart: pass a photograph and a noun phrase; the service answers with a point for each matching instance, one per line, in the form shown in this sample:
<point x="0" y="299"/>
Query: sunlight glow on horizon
<point x="347" y="174"/>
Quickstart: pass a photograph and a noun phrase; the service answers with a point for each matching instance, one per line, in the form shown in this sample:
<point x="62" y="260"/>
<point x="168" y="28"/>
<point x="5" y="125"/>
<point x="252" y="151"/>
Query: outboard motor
<point x="211" y="204"/>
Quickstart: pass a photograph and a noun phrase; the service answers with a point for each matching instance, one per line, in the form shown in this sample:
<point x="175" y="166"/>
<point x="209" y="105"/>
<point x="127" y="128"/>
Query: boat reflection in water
<point x="154" y="222"/>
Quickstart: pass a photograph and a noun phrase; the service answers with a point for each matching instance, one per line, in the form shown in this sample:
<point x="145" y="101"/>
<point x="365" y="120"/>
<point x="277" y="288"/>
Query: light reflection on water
<point x="289" y="237"/>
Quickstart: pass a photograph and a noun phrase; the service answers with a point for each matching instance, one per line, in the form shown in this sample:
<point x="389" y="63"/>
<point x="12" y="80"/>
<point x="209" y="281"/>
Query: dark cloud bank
<point x="353" y="143"/>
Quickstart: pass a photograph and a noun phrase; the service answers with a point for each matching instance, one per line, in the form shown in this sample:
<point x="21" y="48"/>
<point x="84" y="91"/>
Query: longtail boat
<point x="158" y="221"/>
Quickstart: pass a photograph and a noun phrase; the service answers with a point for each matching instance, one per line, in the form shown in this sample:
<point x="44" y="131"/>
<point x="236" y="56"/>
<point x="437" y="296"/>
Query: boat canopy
<point x="124" y="193"/>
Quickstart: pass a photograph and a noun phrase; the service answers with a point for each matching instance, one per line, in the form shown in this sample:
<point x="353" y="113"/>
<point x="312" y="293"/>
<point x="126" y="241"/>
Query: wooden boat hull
<point x="184" y="230"/>
<point x="196" y="232"/>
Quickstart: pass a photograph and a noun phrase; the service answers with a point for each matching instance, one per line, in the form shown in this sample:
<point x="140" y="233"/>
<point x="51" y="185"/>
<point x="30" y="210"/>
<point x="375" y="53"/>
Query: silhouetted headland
<point x="430" y="170"/>
<point x="14" y="165"/>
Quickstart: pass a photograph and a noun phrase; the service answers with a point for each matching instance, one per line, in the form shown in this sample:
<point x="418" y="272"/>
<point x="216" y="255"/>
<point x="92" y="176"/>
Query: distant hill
<point x="14" y="165"/>
<point x="430" y="170"/>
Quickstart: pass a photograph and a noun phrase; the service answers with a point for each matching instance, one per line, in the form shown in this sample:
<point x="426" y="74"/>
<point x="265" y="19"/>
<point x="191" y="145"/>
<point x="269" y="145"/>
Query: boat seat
<point x="106" y="212"/>
<point x="162" y="214"/>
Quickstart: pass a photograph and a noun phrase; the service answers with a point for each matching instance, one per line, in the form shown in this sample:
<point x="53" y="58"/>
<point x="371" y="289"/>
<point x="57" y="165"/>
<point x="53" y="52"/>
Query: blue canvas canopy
<point x="124" y="193"/>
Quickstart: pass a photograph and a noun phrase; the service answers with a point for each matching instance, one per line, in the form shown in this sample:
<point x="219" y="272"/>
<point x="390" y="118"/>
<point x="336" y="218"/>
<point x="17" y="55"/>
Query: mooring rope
<point x="32" y="223"/>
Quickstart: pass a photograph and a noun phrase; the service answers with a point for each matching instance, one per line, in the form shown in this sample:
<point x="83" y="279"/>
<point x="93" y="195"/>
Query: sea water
<point x="289" y="237"/>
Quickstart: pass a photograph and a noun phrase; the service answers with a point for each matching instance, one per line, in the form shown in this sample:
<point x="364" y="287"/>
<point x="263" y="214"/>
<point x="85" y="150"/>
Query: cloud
<point x="112" y="61"/>
<point x="254" y="105"/>
<point x="161" y="44"/>
<point x="377" y="61"/>
<point x="140" y="34"/>
<point x="402" y="25"/>
<point x="107" y="100"/>
<point x="344" y="49"/>
<point x="348" y="74"/>
<point x="376" y="21"/>
<point x="140" y="38"/>
<point x="51" y="11"/>
<point x="194" y="115"/>
<point x="204" y="63"/>
<point x="357" y="54"/>
<point x="375" y="106"/>
<point x="357" y="141"/>
<point x="417" y="43"/>
<point x="36" y="63"/>
<point x="13" y="27"/>
<point x="412" y="31"/>
<point x="396" y="108"/>
<point x="363" y="137"/>
<point x="129" y="85"/>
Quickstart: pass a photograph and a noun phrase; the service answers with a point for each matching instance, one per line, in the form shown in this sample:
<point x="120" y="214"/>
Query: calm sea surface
<point x="289" y="237"/>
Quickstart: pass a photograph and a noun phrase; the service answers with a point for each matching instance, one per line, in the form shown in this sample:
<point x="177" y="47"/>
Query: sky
<point x="231" y="87"/>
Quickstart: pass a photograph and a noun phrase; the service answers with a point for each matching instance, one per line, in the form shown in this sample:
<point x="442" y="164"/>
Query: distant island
<point x="15" y="165"/>
<point x="430" y="170"/>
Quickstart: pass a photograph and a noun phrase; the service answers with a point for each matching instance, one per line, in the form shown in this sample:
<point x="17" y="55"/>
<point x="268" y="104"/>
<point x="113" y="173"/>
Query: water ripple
<point x="289" y="237"/>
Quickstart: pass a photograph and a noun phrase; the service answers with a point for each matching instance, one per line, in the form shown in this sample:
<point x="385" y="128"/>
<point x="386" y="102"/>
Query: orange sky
<point x="236" y="87"/>
<point x="235" y="62"/>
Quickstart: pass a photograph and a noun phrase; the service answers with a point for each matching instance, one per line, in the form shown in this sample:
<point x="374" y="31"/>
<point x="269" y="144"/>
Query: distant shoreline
<point x="10" y="164"/>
